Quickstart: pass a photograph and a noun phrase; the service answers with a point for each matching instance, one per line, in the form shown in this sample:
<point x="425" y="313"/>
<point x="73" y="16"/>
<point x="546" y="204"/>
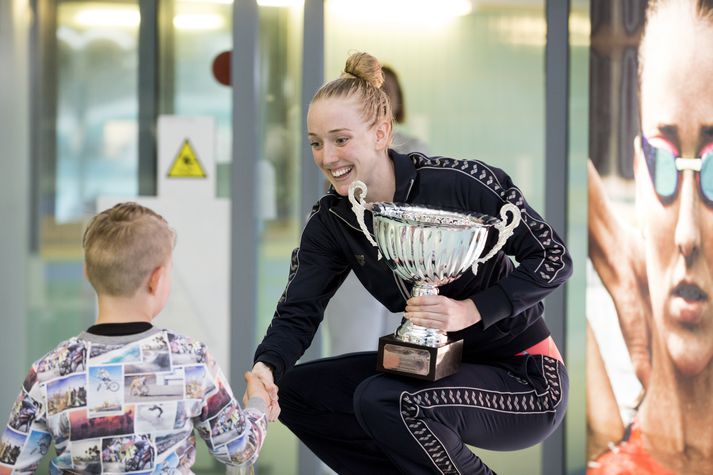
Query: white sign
<point x="186" y="156"/>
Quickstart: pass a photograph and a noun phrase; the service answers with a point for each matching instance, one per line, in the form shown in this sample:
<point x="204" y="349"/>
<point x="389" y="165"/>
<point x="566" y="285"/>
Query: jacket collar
<point x="405" y="172"/>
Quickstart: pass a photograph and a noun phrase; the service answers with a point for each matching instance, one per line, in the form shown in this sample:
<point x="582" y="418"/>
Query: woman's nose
<point x="687" y="233"/>
<point x="329" y="154"/>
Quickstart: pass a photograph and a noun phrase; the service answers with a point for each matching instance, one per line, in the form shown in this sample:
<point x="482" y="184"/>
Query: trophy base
<point x="418" y="361"/>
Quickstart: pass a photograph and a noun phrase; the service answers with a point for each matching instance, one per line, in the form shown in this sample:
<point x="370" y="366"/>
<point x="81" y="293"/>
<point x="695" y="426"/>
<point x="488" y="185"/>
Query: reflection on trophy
<point x="429" y="247"/>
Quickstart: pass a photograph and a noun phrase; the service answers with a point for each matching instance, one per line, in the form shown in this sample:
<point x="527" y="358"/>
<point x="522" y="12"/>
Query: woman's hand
<point x="442" y="313"/>
<point x="255" y="388"/>
<point x="263" y="372"/>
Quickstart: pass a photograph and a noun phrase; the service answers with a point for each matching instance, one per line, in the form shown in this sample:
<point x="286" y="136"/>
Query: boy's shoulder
<point x="64" y="346"/>
<point x="179" y="338"/>
<point x="186" y="349"/>
<point x="65" y="358"/>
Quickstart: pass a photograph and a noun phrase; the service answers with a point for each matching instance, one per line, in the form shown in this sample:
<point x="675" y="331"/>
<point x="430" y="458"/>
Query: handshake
<point x="260" y="383"/>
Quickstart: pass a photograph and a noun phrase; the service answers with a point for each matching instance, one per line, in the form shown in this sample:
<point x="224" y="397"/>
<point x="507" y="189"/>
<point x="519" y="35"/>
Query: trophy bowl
<point x="429" y="247"/>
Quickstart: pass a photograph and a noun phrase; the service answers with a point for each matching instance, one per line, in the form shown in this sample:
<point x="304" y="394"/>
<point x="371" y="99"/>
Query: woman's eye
<point x="342" y="140"/>
<point x="314" y="144"/>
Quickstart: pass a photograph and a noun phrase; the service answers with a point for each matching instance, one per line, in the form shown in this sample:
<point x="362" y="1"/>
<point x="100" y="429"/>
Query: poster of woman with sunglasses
<point x="650" y="289"/>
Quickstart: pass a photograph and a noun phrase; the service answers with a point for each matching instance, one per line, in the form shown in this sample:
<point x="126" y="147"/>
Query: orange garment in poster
<point x="629" y="457"/>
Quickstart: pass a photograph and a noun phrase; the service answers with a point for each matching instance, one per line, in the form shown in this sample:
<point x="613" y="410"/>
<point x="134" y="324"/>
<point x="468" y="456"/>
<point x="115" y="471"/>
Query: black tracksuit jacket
<point x="508" y="296"/>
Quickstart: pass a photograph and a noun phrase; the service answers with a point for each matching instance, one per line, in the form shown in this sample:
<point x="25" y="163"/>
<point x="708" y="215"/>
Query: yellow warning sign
<point x="186" y="164"/>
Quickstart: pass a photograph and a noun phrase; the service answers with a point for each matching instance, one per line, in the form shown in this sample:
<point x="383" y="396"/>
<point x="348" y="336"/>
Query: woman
<point x="511" y="390"/>
<point x="672" y="279"/>
<point x="355" y="319"/>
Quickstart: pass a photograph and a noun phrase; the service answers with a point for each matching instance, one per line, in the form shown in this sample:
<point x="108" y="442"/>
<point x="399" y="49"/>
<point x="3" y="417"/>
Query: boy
<point x="95" y="395"/>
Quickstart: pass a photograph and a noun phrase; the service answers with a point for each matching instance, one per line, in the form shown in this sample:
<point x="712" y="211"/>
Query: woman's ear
<point x="383" y="134"/>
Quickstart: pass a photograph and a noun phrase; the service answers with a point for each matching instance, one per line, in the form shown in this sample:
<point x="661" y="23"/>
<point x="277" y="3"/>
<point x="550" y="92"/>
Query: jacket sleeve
<point x="234" y="435"/>
<point x="543" y="261"/>
<point x="26" y="438"/>
<point x="317" y="269"/>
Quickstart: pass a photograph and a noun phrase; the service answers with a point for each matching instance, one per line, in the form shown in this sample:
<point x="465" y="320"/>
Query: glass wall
<point x="97" y="107"/>
<point x="198" y="32"/>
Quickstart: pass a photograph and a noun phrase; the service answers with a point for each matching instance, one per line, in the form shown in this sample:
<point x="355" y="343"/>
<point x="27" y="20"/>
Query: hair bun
<point x="364" y="66"/>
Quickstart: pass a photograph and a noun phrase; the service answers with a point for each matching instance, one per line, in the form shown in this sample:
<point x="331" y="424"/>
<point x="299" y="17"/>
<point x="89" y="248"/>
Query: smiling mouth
<point x="338" y="173"/>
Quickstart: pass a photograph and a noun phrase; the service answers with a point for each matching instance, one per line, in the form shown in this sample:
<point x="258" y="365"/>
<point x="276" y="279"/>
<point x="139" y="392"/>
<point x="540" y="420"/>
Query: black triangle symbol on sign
<point x="186" y="163"/>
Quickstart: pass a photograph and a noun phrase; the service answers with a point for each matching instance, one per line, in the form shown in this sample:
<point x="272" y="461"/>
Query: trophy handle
<point x="504" y="232"/>
<point x="358" y="207"/>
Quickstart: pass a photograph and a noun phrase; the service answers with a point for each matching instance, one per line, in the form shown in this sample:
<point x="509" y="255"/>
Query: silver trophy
<point x="429" y="247"/>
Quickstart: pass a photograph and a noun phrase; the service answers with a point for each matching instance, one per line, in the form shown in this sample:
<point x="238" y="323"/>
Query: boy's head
<point x="123" y="246"/>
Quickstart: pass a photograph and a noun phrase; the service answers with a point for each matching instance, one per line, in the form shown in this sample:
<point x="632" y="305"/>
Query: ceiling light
<point x="126" y="17"/>
<point x="198" y="21"/>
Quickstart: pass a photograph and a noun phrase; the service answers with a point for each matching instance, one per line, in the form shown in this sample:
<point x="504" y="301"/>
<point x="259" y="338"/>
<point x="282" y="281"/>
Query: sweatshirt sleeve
<point x="543" y="262"/>
<point x="234" y="435"/>
<point x="26" y="438"/>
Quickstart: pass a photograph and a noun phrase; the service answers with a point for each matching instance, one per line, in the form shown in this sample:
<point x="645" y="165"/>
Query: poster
<point x="650" y="223"/>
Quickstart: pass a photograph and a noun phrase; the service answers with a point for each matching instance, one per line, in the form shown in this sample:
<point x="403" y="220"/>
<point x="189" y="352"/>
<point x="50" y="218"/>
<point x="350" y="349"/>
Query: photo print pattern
<point x="127" y="408"/>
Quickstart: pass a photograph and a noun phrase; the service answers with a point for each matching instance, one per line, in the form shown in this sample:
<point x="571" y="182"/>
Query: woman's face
<point x="345" y="147"/>
<point x="677" y="114"/>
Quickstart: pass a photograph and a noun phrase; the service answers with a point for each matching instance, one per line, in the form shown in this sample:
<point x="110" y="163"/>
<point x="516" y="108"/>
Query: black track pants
<point x="361" y="422"/>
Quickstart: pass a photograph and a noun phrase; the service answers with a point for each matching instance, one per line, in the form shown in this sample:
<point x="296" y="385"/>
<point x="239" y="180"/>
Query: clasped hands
<point x="260" y="383"/>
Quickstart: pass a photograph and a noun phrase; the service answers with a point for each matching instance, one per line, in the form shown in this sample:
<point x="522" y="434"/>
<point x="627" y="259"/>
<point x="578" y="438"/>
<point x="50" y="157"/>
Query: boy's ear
<point x="155" y="279"/>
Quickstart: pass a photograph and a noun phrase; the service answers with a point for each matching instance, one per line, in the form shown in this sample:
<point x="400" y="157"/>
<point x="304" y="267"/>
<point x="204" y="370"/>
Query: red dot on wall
<point x="221" y="68"/>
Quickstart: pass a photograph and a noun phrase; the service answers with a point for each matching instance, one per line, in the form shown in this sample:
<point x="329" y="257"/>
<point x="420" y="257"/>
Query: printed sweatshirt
<point x="130" y="403"/>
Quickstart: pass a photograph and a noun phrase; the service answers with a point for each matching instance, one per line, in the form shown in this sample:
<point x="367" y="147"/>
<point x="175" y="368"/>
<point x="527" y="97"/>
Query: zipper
<point x="347" y="222"/>
<point x="408" y="192"/>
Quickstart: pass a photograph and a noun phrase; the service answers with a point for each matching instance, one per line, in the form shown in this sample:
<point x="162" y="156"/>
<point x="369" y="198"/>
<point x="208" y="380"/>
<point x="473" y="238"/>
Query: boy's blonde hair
<point x="123" y="245"/>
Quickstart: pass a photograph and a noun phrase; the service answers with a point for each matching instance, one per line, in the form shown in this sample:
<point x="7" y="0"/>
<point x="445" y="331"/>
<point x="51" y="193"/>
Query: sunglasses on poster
<point x="665" y="169"/>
